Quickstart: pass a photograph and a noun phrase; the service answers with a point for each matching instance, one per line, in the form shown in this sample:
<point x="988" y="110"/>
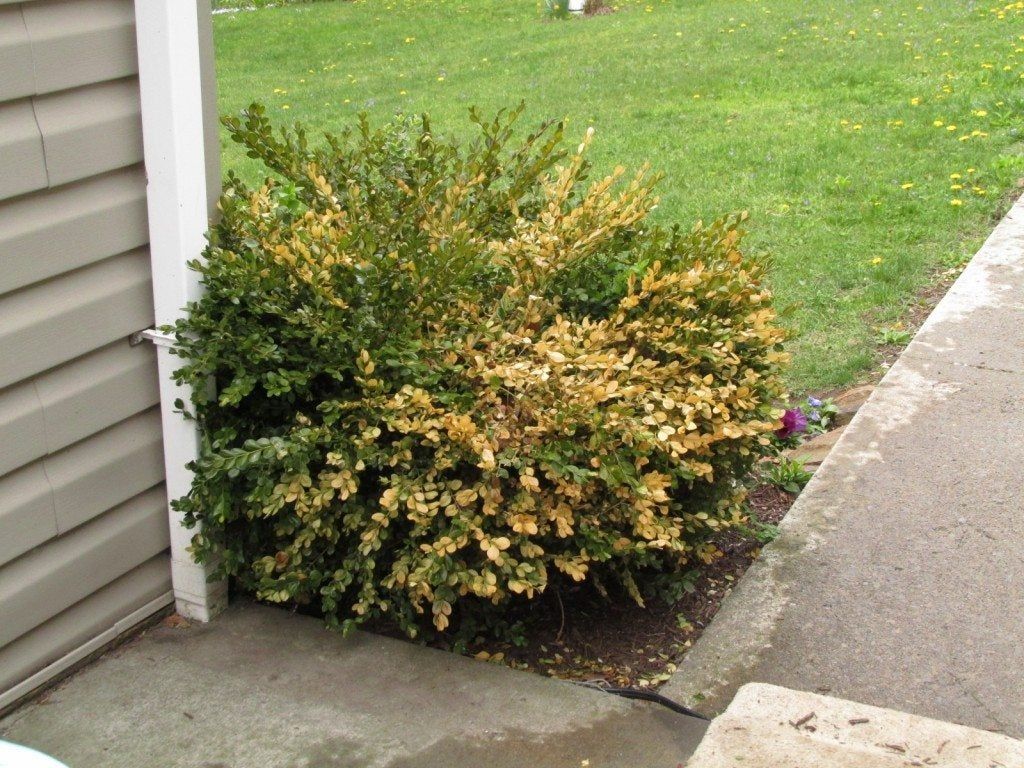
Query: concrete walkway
<point x="263" y="687"/>
<point x="898" y="578"/>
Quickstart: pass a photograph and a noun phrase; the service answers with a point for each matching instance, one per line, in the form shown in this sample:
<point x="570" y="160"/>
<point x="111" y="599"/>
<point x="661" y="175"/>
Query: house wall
<point x="83" y="510"/>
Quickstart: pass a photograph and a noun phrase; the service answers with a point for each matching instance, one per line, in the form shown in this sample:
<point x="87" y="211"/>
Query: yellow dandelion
<point x="956" y="201"/>
<point x="876" y="261"/>
<point x="938" y="123"/>
<point x="907" y="185"/>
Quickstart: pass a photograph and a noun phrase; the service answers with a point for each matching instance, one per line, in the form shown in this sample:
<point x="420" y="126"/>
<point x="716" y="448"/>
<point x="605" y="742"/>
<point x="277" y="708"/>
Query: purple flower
<point x="814" y="402"/>
<point x="793" y="422"/>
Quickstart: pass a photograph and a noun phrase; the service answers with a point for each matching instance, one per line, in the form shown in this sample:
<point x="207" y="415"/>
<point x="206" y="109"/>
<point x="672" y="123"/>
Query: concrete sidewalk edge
<point x="732" y="646"/>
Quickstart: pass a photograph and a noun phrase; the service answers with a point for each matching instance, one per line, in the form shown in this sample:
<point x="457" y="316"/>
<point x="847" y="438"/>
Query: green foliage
<point x="787" y="474"/>
<point x="867" y="106"/>
<point x="821" y="415"/>
<point x="448" y="377"/>
<point x="762" y="532"/>
<point x="897" y="337"/>
<point x="557" y="9"/>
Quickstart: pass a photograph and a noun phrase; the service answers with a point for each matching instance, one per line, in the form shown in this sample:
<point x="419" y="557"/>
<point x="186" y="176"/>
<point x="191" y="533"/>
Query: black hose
<point x="642" y="695"/>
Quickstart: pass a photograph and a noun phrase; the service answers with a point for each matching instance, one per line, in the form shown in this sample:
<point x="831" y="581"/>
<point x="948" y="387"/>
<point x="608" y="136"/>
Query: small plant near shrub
<point x="448" y="377"/>
<point x="557" y="9"/>
<point x="754" y="528"/>
<point x="897" y="337"/>
<point x="787" y="474"/>
<point x="791" y="430"/>
<point x="821" y="415"/>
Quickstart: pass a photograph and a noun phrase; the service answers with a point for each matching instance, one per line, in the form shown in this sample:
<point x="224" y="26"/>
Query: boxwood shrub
<point x="447" y="376"/>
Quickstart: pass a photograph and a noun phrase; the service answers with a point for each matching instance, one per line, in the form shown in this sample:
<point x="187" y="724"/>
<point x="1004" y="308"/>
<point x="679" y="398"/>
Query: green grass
<point x="816" y="117"/>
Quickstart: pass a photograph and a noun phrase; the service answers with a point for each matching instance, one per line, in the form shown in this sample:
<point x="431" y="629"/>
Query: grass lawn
<point x="872" y="143"/>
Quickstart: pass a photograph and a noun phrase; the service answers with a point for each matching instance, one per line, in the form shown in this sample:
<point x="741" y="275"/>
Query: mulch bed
<point x="583" y="636"/>
<point x="586" y="637"/>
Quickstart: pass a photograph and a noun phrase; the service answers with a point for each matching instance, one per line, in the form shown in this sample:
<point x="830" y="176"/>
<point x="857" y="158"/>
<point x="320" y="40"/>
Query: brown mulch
<point x="583" y="636"/>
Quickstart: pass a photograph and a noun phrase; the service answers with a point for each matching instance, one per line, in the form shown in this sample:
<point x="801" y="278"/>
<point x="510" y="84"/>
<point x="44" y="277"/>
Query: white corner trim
<point x="171" y="86"/>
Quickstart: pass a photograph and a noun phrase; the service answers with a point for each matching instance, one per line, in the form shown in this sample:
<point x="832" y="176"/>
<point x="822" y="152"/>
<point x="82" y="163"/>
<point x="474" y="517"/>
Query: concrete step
<point x="767" y="726"/>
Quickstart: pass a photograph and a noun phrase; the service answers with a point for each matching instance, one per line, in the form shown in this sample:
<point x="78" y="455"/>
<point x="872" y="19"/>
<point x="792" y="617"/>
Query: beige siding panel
<point x="16" y="78"/>
<point x="22" y="163"/>
<point x="95" y="391"/>
<point x="76" y="400"/>
<point x="92" y="476"/>
<point x="22" y="429"/>
<point x="53" y="322"/>
<point x="90" y="130"/>
<point x="48" y="233"/>
<point x="80" y="42"/>
<point x="52" y="578"/>
<point x="83" y="621"/>
<point x="26" y="512"/>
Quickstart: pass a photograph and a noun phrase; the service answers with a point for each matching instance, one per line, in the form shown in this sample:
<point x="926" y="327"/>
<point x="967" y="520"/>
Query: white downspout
<point x="179" y="137"/>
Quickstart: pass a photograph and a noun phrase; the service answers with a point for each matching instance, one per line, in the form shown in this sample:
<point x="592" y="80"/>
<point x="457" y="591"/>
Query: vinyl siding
<point x="15" y="54"/>
<point x="22" y="164"/>
<point x="53" y="322"/>
<point x="53" y="231"/>
<point x="86" y="620"/>
<point x="83" y="510"/>
<point x="50" y="579"/>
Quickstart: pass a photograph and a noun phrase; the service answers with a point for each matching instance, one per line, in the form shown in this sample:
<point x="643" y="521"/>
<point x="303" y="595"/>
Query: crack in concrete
<point x="992" y="368"/>
<point x="985" y="709"/>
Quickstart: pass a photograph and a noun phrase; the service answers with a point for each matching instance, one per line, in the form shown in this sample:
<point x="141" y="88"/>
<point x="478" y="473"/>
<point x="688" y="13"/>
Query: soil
<point x="585" y="637"/>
